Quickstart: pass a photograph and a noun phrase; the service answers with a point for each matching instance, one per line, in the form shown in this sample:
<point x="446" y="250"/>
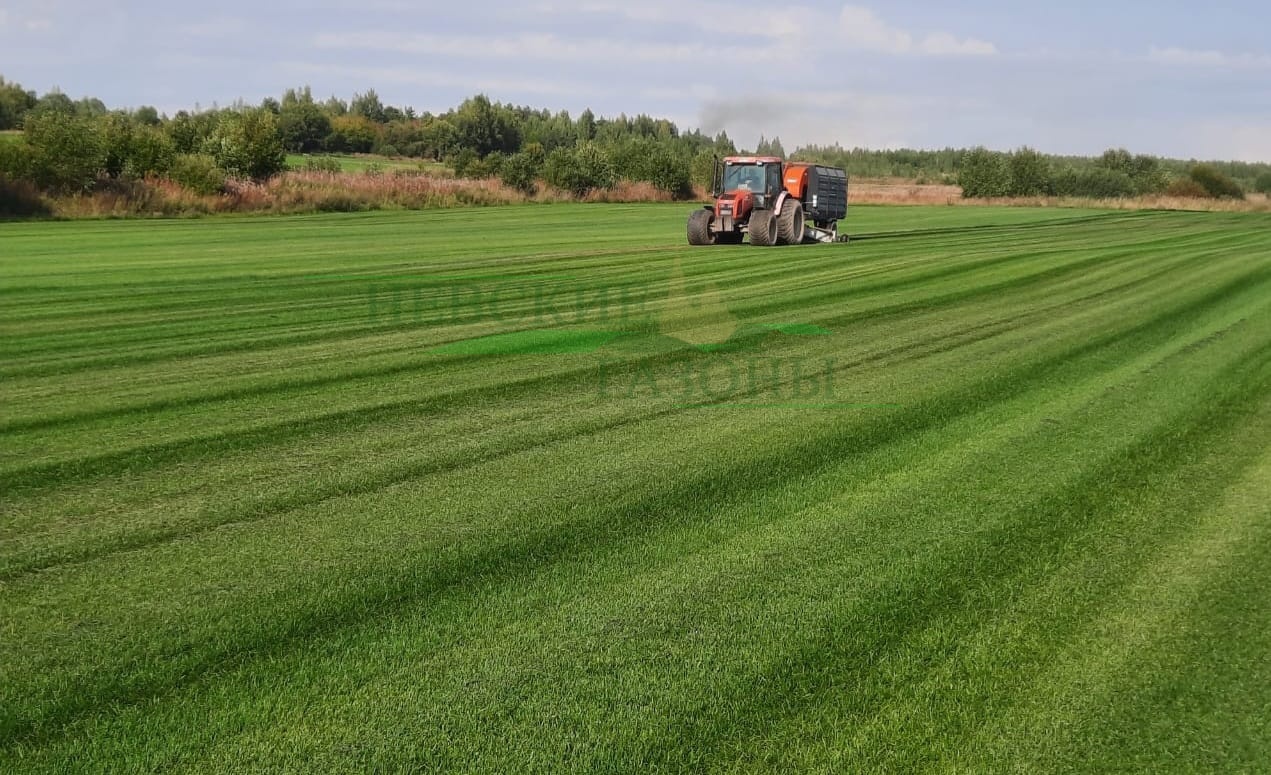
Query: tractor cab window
<point x="749" y="177"/>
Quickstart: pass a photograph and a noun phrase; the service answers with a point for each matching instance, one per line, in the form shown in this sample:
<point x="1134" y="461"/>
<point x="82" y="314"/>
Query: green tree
<point x="1218" y="185"/>
<point x="247" y="144"/>
<point x="1148" y="175"/>
<point x="489" y="167"/>
<point x="463" y="161"/>
<point x="586" y="126"/>
<point x="352" y="134"/>
<point x="293" y="97"/>
<point x="16" y="161"/>
<point x="150" y="153"/>
<point x="439" y="138"/>
<point x="190" y="132"/>
<point x="334" y="106"/>
<point x="147" y="115"/>
<point x="520" y="171"/>
<point x="90" y="107"/>
<point x="1263" y="184"/>
<point x="984" y="174"/>
<point x="368" y="106"/>
<point x="303" y="126"/>
<point x="1117" y="160"/>
<point x="656" y="162"/>
<point x="1095" y="183"/>
<point x="14" y="104"/>
<point x="579" y="170"/>
<point x="771" y="147"/>
<point x="54" y="102"/>
<point x="485" y="127"/>
<point x="703" y="168"/>
<point x="1030" y="173"/>
<point x="68" y="152"/>
<point x="117" y="137"/>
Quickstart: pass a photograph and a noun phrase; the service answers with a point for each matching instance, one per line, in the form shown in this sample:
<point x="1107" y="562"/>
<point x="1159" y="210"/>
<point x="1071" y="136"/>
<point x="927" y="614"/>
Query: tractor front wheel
<point x="699" y="228"/>
<point x="790" y="225"/>
<point x="763" y="228"/>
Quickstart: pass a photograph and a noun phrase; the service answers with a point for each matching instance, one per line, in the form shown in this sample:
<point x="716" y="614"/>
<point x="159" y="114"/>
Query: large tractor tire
<point x="699" y="228"/>
<point x="763" y="228"/>
<point x="790" y="225"/>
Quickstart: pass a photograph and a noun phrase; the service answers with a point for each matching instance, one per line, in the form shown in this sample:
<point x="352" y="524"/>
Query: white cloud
<point x="471" y="82"/>
<point x="526" y="46"/>
<point x="23" y="23"/>
<point x="1193" y="58"/>
<point x="944" y="44"/>
<point x="864" y="29"/>
<point x="217" y="28"/>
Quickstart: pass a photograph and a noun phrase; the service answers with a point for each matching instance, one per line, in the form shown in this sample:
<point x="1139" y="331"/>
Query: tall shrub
<point x="150" y="153"/>
<point x="579" y="170"/>
<point x="520" y="170"/>
<point x="984" y="174"/>
<point x="1093" y="183"/>
<point x="1030" y="173"/>
<point x="1218" y="185"/>
<point x="68" y="152"/>
<point x="197" y="172"/>
<point x="247" y="144"/>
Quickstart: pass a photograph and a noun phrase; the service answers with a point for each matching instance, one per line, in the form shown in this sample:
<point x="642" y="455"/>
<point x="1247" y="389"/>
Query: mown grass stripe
<point x="611" y="525"/>
<point x="337" y="554"/>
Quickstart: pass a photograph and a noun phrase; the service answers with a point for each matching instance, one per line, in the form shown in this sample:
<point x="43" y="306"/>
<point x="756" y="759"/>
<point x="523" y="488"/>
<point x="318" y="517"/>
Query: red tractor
<point x="772" y="201"/>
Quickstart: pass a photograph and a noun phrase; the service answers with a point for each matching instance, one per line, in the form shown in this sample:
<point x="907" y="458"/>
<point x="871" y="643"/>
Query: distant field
<point x="10" y="136"/>
<point x="543" y="489"/>
<point x="361" y="162"/>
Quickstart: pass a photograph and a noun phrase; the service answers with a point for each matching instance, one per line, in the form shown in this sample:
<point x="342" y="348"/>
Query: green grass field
<point x="542" y="489"/>
<point x="363" y="162"/>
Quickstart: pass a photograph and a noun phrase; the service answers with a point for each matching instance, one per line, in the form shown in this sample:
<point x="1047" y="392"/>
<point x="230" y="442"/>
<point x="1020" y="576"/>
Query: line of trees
<point x="1116" y="174"/>
<point x="69" y="146"/>
<point x="947" y="166"/>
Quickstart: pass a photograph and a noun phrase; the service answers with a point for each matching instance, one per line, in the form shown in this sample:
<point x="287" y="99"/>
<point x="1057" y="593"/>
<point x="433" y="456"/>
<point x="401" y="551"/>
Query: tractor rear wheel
<point x="699" y="228"/>
<point x="763" y="228"/>
<point x="790" y="225"/>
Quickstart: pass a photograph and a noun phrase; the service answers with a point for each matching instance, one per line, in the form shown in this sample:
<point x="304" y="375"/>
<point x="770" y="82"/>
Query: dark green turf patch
<point x="536" y="342"/>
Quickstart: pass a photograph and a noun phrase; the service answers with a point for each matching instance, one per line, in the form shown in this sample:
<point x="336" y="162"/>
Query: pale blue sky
<point x="1173" y="78"/>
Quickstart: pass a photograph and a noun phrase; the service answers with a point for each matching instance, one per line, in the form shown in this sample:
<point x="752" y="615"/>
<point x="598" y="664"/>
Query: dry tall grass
<point x="629" y="191"/>
<point x="902" y="192"/>
<point x="316" y="191"/>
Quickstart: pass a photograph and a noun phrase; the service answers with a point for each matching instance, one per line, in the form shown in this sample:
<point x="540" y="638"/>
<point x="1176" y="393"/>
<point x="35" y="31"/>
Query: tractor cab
<point x="744" y="184"/>
<point x="749" y="176"/>
<point x="759" y="176"/>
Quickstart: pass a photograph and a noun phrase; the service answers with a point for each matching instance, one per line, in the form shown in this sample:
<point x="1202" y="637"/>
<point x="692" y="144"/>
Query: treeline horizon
<point x="72" y="145"/>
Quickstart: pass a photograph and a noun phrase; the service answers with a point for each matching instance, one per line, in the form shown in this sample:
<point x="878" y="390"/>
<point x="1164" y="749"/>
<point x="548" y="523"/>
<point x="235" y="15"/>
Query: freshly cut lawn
<point x="543" y="489"/>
